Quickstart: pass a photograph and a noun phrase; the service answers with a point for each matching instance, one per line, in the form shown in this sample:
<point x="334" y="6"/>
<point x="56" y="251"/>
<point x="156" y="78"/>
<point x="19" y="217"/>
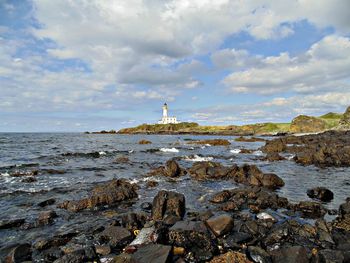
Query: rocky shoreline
<point x="251" y="223"/>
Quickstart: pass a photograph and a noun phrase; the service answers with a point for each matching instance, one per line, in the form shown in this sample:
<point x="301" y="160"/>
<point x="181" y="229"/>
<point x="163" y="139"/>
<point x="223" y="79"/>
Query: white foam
<point x="235" y="151"/>
<point x="169" y="150"/>
<point x="131" y="151"/>
<point x="102" y="153"/>
<point x="290" y="157"/>
<point x="5" y="174"/>
<point x="196" y="158"/>
<point x="258" y="153"/>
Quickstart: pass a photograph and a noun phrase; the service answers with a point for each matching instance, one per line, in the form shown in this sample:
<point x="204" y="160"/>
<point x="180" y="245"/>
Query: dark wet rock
<point x="254" y="198"/>
<point x="234" y="240"/>
<point x="195" y="237"/>
<point x="29" y="179"/>
<point x="171" y="169"/>
<point x="247" y="174"/>
<point x="273" y="157"/>
<point x="25" y="173"/>
<point x="122" y="159"/>
<point x="221" y="224"/>
<point x="213" y="142"/>
<point x="47" y="202"/>
<point x="290" y="255"/>
<point x="146" y="206"/>
<point x="343" y="221"/>
<point x="152" y="253"/>
<point x="329" y="256"/>
<point x="168" y="203"/>
<point x="46" y="218"/>
<point x="246" y="151"/>
<point x="150" y="184"/>
<point x="132" y="220"/>
<point x="344" y="209"/>
<point x="231" y="257"/>
<point x="320" y="193"/>
<point x="110" y="193"/>
<point x="52" y="171"/>
<point x="311" y="209"/>
<point x="116" y="236"/>
<point x="19" y="253"/>
<point x="249" y="139"/>
<point x="145" y="142"/>
<point x="330" y="148"/>
<point x="171" y="219"/>
<point x="10" y="223"/>
<point x="258" y="254"/>
<point x="103" y="249"/>
<point x="48" y="255"/>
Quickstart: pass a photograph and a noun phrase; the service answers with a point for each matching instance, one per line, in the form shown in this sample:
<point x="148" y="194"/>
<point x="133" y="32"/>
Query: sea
<point x="69" y="165"/>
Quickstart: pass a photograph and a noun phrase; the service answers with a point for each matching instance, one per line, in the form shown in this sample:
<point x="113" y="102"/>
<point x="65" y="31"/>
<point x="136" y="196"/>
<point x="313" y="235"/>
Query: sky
<point x="89" y="65"/>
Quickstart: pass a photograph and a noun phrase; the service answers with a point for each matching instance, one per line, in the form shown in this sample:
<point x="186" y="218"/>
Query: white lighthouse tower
<point x="166" y="119"/>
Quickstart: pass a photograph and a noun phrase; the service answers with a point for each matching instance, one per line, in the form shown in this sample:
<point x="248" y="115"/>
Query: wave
<point x="258" y="153"/>
<point x="169" y="150"/>
<point x="197" y="158"/>
<point x="235" y="151"/>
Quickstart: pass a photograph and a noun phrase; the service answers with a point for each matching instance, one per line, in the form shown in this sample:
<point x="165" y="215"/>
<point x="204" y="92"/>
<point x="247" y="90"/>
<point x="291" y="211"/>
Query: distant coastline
<point x="300" y="124"/>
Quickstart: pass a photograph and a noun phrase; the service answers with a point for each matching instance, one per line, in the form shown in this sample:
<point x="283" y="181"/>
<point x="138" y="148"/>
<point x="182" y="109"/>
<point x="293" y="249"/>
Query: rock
<point x="168" y="203"/>
<point x="19" y="254"/>
<point x="47" y="202"/>
<point x="273" y="157"/>
<point x="195" y="237"/>
<point x="145" y="142"/>
<point x="311" y="209"/>
<point x="329" y="256"/>
<point x="116" y="236"/>
<point x="213" y="142"/>
<point x="151" y="184"/>
<point x="344" y="209"/>
<point x="234" y="240"/>
<point x="220" y="225"/>
<point x="152" y="253"/>
<point x="29" y="179"/>
<point x="231" y="257"/>
<point x="320" y="193"/>
<point x="10" y="223"/>
<point x="257" y="254"/>
<point x="103" y="249"/>
<point x="28" y="173"/>
<point x="266" y="216"/>
<point x="344" y="122"/>
<point x="290" y="255"/>
<point x="304" y="123"/>
<point x="110" y="193"/>
<point x="122" y="159"/>
<point x="46" y="218"/>
<point x="209" y="171"/>
<point x="330" y="148"/>
<point x="171" y="169"/>
<point x="251" y="139"/>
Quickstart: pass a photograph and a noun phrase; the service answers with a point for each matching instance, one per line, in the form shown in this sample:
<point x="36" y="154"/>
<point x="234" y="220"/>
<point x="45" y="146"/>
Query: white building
<point x="166" y="119"/>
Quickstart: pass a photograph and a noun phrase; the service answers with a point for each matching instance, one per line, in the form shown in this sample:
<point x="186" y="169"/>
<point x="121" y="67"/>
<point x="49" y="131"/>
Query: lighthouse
<point x="166" y="119"/>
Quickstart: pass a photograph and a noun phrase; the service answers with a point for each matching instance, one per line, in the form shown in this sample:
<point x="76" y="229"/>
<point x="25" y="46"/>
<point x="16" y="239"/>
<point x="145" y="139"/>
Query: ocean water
<point x="70" y="164"/>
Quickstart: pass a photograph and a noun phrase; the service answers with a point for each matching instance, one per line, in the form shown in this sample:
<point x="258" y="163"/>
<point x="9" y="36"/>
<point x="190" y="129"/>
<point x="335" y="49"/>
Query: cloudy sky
<point x="89" y="64"/>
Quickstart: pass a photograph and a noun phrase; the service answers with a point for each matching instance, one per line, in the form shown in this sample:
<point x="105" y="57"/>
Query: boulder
<point x="152" y="253"/>
<point x="290" y="255"/>
<point x="273" y="157"/>
<point x="220" y="225"/>
<point x="46" y="218"/>
<point x="168" y="203"/>
<point x="344" y="122"/>
<point x="116" y="236"/>
<point x="145" y="142"/>
<point x="249" y="139"/>
<point x="311" y="209"/>
<point x="258" y="254"/>
<point x="213" y="142"/>
<point x="110" y="193"/>
<point x="195" y="237"/>
<point x="171" y="169"/>
<point x="47" y="202"/>
<point x="10" y="223"/>
<point x="320" y="193"/>
<point x="231" y="257"/>
<point x="304" y="123"/>
<point x="329" y="256"/>
<point x="19" y="253"/>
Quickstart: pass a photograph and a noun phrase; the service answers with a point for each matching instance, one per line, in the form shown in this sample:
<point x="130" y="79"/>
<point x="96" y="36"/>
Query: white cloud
<point x="325" y="66"/>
